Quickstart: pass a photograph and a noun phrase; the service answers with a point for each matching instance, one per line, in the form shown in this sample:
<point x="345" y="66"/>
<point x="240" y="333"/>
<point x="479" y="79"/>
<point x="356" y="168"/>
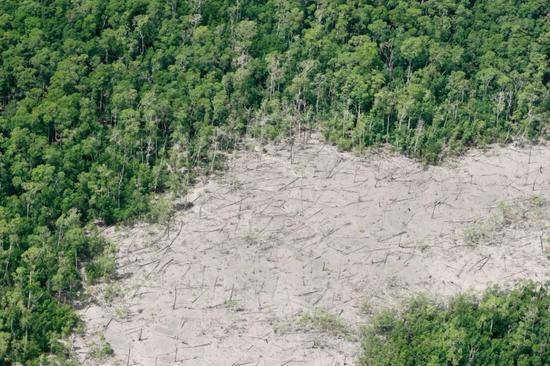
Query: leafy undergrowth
<point x="501" y="327"/>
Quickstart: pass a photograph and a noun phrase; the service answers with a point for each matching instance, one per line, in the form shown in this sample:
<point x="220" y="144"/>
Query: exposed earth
<point x="286" y="231"/>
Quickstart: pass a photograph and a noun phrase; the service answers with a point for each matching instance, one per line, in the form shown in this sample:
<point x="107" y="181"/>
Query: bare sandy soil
<point x="226" y="281"/>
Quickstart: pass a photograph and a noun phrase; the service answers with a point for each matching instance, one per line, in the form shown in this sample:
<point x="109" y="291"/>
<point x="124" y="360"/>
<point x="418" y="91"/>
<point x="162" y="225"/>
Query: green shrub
<point x="102" y="266"/>
<point x="160" y="211"/>
<point x="101" y="350"/>
<point x="502" y="327"/>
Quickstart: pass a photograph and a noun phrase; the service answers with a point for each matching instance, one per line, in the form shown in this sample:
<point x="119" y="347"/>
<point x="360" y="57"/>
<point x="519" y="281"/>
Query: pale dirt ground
<point x="271" y="237"/>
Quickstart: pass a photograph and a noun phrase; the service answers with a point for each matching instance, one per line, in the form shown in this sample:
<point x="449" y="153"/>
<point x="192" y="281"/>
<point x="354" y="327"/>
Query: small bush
<point x="101" y="350"/>
<point x="503" y="327"/>
<point x="102" y="266"/>
<point x="160" y="211"/>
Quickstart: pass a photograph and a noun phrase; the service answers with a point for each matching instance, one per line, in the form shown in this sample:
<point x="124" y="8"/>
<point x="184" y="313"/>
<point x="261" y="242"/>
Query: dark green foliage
<point x="503" y="327"/>
<point x="105" y="102"/>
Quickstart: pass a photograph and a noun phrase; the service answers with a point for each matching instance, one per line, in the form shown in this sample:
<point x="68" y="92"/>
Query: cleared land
<point x="279" y="258"/>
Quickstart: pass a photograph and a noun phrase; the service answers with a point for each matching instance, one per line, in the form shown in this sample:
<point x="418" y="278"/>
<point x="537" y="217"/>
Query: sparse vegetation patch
<point x="521" y="213"/>
<point x="323" y="321"/>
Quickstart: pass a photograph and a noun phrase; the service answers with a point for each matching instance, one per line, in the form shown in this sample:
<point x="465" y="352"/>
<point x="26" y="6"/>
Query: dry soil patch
<point x="225" y="283"/>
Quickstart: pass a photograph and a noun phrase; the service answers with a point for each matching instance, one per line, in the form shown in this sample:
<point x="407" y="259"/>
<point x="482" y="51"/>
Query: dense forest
<point x="106" y="102"/>
<point x="503" y="327"/>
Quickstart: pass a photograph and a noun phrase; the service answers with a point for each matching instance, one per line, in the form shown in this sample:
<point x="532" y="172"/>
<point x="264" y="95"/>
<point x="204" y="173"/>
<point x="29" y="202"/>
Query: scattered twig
<point x="288" y="184"/>
<point x="198" y="297"/>
<point x="129" y="352"/>
<point x="175" y="298"/>
<point x="393" y="236"/>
